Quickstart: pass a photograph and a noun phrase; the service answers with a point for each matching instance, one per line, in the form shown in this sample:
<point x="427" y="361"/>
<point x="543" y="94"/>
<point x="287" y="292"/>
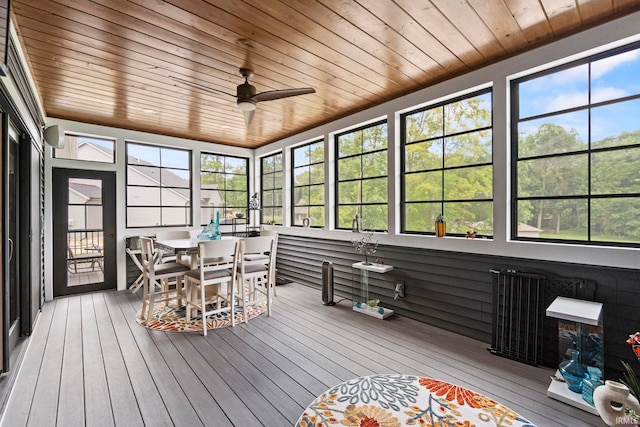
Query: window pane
<point x="235" y="165"/>
<point x="374" y="138"/>
<point x="423" y="156"/>
<point x="563" y="133"/>
<point x="236" y="199"/>
<point x="316" y="195"/>
<point x="267" y="182"/>
<point x="178" y="159"/>
<point x="175" y="216"/>
<point x="374" y="217"/>
<point x="468" y="183"/>
<point x="615" y="172"/>
<point x="564" y="219"/>
<point x="267" y="198"/>
<point x="424" y="124"/>
<point x="374" y="190"/>
<point x="148" y="154"/>
<point x="421" y="217"/>
<point x="301" y="176"/>
<point x="235" y="182"/>
<point x="143" y="196"/>
<point x="468" y="149"/>
<point x="346" y="214"/>
<point x="299" y="213"/>
<point x="88" y="148"/>
<point x="374" y="164"/>
<point x="316" y="214"/>
<point x="174" y="197"/>
<point x="468" y="114"/>
<point x="350" y="144"/>
<point x="211" y="180"/>
<point x="554" y="176"/>
<point x="615" y="77"/>
<point x="175" y="178"/>
<point x="301" y="196"/>
<point x="423" y="186"/>
<point x="469" y="217"/>
<point x="143" y="217"/>
<point x="211" y="162"/>
<point x="316" y="174"/>
<point x="349" y="192"/>
<point x="142" y="175"/>
<point x="349" y="168"/>
<point x="301" y="156"/>
<point x="555" y="92"/>
<point x="614" y="219"/>
<point x="615" y="124"/>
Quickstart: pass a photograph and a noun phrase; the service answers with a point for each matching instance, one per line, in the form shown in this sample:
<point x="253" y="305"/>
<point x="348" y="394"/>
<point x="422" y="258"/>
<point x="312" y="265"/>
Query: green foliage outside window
<point x="308" y="184"/>
<point x="448" y="170"/>
<point x="224" y="186"/>
<point x="271" y="185"/>
<point x="362" y="187"/>
<point x="577" y="140"/>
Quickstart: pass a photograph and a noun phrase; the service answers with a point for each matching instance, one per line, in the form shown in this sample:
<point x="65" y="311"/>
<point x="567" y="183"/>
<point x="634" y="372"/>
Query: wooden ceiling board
<point x="531" y="19"/>
<point x="442" y="32"/>
<point x="499" y="20"/>
<point x="563" y="15"/>
<point x="116" y="62"/>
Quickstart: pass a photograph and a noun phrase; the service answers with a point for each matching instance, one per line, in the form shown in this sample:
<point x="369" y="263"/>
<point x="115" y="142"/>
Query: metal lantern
<point x="441" y="226"/>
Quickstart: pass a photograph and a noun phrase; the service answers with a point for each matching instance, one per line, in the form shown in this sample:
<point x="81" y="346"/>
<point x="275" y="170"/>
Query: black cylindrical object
<point x="327" y="283"/>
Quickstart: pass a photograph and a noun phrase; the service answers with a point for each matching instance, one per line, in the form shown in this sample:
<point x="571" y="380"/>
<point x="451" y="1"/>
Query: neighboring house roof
<point x="90" y="192"/>
<point x="527" y="227"/>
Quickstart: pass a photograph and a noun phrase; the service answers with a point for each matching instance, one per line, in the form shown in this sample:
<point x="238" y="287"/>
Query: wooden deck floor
<point x="90" y="363"/>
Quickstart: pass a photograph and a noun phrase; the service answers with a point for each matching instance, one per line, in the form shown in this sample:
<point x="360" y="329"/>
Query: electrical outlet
<point x="400" y="289"/>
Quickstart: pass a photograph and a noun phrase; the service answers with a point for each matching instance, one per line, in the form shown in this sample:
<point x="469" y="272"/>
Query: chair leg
<point x="145" y="296"/>
<point x="203" y="310"/>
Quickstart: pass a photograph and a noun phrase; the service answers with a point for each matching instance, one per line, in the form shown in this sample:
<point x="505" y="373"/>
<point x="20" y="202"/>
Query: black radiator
<point x="520" y="328"/>
<point x="518" y="315"/>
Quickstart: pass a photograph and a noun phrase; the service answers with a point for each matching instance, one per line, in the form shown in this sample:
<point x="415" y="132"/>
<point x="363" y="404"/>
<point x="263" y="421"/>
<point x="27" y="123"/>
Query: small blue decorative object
<point x="216" y="231"/>
<point x="358" y="305"/>
<point x="573" y="372"/>
<point x="380" y="310"/>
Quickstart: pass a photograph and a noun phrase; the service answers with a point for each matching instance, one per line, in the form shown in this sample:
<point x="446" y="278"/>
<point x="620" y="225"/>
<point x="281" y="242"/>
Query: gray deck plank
<point x="173" y="395"/>
<point x="261" y="373"/>
<point x="18" y="406"/>
<point x="149" y="400"/>
<point x="71" y="400"/>
<point x="169" y="346"/>
<point x="44" y="408"/>
<point x="124" y="404"/>
<point x="96" y="389"/>
<point x="255" y="402"/>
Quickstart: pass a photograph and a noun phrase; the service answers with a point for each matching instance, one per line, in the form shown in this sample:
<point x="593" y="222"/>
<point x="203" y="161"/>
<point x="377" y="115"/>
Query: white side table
<point x="361" y="305"/>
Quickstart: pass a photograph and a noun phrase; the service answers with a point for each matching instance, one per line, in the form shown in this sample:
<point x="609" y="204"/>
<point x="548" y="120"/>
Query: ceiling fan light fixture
<point x="246" y="104"/>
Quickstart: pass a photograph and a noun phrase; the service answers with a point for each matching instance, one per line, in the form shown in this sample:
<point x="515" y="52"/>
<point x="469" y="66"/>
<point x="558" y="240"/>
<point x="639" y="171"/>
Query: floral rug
<point x="400" y="400"/>
<point x="172" y="319"/>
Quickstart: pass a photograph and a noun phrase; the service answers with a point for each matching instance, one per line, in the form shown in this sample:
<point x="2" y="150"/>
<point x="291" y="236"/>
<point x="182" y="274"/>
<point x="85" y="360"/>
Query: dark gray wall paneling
<point x="452" y="290"/>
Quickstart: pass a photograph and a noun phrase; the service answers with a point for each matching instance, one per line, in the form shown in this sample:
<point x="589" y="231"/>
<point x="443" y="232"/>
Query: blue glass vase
<point x="573" y="372"/>
<point x="590" y="384"/>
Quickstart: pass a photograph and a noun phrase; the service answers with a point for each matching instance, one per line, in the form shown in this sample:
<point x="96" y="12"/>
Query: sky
<point x="612" y="78"/>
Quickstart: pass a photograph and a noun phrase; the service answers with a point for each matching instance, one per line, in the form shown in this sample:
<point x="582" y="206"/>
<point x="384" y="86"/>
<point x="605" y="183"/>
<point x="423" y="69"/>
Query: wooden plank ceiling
<point x="115" y="62"/>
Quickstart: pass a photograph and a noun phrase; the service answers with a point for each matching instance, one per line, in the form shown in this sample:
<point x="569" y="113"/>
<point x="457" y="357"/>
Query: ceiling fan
<point x="246" y="96"/>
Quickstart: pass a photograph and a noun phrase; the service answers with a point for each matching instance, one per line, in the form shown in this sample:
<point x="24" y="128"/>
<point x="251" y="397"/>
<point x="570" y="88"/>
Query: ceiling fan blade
<point x="283" y="93"/>
<point x="199" y="86"/>
<point x="248" y="116"/>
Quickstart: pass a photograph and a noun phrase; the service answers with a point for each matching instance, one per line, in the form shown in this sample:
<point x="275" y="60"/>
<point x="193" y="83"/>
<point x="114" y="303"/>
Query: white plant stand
<point x="364" y="290"/>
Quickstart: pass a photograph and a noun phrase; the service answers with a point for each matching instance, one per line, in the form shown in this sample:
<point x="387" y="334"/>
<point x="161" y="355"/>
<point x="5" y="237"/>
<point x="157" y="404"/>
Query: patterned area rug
<point x="172" y="319"/>
<point x="401" y="400"/>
